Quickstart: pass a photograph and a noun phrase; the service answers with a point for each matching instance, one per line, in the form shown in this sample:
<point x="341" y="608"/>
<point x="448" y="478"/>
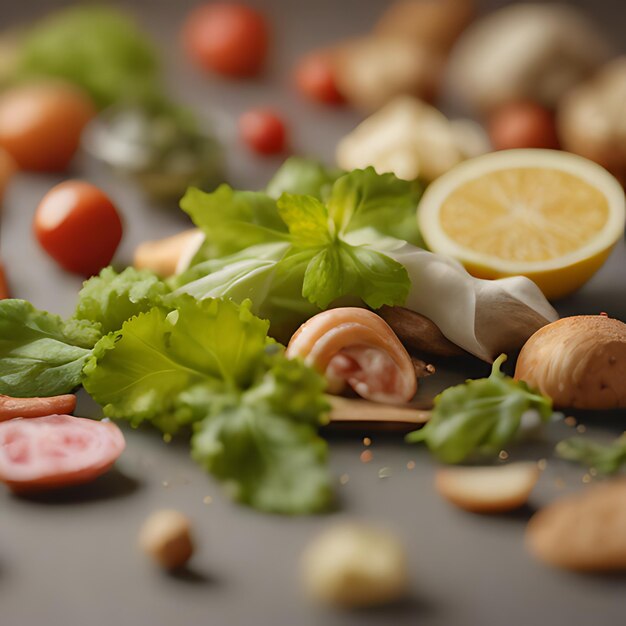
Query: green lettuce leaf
<point x="40" y="354"/>
<point x="303" y="176"/>
<point x="606" y="458"/>
<point x="266" y="461"/>
<point x="111" y="298"/>
<point x="98" y="48"/>
<point x="479" y="416"/>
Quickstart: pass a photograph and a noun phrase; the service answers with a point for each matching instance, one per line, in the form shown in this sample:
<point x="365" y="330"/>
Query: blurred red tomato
<point x="522" y="125"/>
<point x="315" y="79"/>
<point x="41" y="124"/>
<point x="78" y="226"/>
<point x="263" y="131"/>
<point x="230" y="39"/>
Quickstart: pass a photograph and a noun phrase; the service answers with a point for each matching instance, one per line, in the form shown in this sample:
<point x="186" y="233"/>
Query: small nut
<point x="351" y="565"/>
<point x="166" y="537"/>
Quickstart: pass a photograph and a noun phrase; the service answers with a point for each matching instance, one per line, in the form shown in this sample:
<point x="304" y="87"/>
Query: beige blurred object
<point x="8" y="167"/>
<point x="583" y="532"/>
<point x="435" y="23"/>
<point x="166" y="537"/>
<point x="370" y="71"/>
<point x="579" y="362"/>
<point x="412" y="139"/>
<point x="168" y="256"/>
<point x="592" y="119"/>
<point x="524" y="51"/>
<point x="352" y="565"/>
<point x="494" y="489"/>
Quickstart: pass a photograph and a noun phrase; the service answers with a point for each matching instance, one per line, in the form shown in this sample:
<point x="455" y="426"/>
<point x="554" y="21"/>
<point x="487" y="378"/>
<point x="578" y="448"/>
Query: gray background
<point x="73" y="561"/>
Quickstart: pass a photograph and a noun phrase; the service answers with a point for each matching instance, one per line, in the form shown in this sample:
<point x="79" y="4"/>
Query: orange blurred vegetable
<point x="522" y="124"/>
<point x="41" y="124"/>
<point x="4" y="287"/>
<point x="78" y="226"/>
<point x="263" y="131"/>
<point x="315" y="79"/>
<point x="230" y="39"/>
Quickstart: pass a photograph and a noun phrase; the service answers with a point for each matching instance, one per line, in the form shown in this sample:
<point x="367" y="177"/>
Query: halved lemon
<point x="548" y="215"/>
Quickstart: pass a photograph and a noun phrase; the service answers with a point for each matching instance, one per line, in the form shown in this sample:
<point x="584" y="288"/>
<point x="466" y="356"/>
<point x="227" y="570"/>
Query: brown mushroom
<point x="579" y="362"/>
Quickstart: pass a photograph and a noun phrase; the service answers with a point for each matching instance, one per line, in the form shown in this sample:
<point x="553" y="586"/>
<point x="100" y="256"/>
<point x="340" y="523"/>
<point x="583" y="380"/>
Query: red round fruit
<point x="230" y="39"/>
<point x="522" y="125"/>
<point x="263" y="131"/>
<point x="56" y="451"/>
<point x="78" y="226"/>
<point x="315" y="79"/>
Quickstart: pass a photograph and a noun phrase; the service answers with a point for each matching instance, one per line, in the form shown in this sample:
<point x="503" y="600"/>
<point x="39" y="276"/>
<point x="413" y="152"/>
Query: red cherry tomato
<point x="230" y="39"/>
<point x="41" y="124"/>
<point x="78" y="226"/>
<point x="55" y="451"/>
<point x="4" y="286"/>
<point x="315" y="79"/>
<point x="522" y="125"/>
<point x="263" y="131"/>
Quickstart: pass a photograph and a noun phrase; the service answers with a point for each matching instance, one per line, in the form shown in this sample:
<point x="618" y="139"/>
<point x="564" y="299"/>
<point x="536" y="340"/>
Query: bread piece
<point x="583" y="532"/>
<point x="488" y="489"/>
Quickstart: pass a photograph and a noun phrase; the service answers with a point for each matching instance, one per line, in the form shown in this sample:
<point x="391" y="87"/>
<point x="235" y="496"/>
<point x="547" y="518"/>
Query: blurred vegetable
<point x="230" y="39"/>
<point x="263" y="131"/>
<point x="315" y="78"/>
<point x="78" y="226"/>
<point x="303" y="176"/>
<point x="373" y="70"/>
<point x="436" y="24"/>
<point x="523" y="52"/>
<point x="355" y="566"/>
<point x="605" y="458"/>
<point x="41" y="124"/>
<point x="169" y="255"/>
<point x="212" y="364"/>
<point x="8" y="167"/>
<point x="36" y="407"/>
<point x="4" y="287"/>
<point x="98" y="48"/>
<point x="592" y="119"/>
<point x="411" y="139"/>
<point x="522" y="125"/>
<point x="165" y="151"/>
<point x="481" y="415"/>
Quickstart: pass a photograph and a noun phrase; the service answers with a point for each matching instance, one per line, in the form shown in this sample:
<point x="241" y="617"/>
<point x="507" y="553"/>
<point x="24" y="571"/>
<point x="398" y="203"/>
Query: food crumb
<point x="542" y="464"/>
<point x="344" y="478"/>
<point x="503" y="455"/>
<point x="410" y="465"/>
<point x="593" y="471"/>
<point x="570" y="421"/>
<point x="586" y="478"/>
<point x="167" y="437"/>
<point x="367" y="441"/>
<point x="581" y="428"/>
<point x="384" y="472"/>
<point x="366" y="456"/>
<point x="207" y="499"/>
<point x="165" y="483"/>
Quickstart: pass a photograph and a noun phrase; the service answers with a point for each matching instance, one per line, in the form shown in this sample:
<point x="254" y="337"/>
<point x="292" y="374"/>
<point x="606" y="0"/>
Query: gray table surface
<point x="73" y="561"/>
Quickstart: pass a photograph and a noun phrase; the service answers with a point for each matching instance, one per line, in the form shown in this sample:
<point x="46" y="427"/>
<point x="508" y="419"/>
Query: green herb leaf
<point x="481" y="415"/>
<point x="269" y="462"/>
<point x="96" y="47"/>
<point x="303" y="176"/>
<point x="40" y="354"/>
<point x="307" y="220"/>
<point x="233" y="220"/>
<point x="606" y="458"/>
<point x="113" y="298"/>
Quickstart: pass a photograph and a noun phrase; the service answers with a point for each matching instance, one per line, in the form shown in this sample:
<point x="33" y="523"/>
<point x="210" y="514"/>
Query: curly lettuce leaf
<point x="98" y="48"/>
<point x="480" y="415"/>
<point x="111" y="298"/>
<point x="137" y="372"/>
<point x="40" y="354"/>
<point x="264" y="460"/>
<point x="303" y="176"/>
<point x="605" y="458"/>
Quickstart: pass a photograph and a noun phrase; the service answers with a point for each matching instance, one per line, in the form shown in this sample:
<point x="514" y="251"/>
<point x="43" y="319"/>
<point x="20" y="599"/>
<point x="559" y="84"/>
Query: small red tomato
<point x="56" y="451"/>
<point x="522" y="125"/>
<point x="263" y="131"/>
<point x="4" y="287"/>
<point x="230" y="39"/>
<point x="315" y="79"/>
<point x="78" y="226"/>
<point x="41" y="124"/>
